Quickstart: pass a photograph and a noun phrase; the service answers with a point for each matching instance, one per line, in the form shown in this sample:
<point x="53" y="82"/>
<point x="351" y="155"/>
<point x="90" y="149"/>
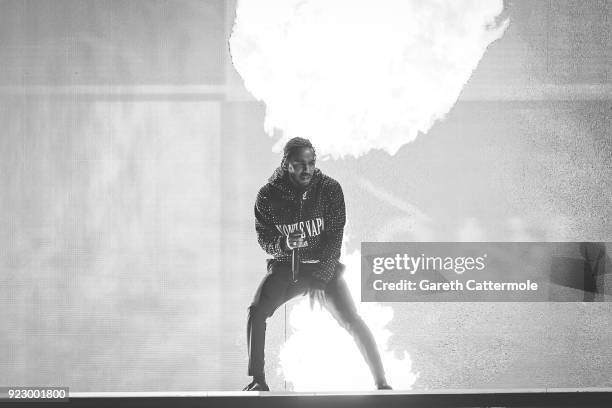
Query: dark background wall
<point x="131" y="155"/>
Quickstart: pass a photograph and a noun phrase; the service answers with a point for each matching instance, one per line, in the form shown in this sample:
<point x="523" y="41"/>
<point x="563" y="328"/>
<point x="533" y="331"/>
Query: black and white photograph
<point x="276" y="203"/>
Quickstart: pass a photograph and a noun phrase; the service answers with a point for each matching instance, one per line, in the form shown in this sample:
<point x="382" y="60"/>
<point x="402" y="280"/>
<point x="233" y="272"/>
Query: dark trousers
<point x="277" y="287"/>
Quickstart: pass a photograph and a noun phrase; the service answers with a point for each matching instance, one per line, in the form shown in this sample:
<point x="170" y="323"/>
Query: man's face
<point x="301" y="166"/>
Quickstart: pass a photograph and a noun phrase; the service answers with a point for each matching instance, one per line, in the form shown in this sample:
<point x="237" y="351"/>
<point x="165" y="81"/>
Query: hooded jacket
<point x="318" y="210"/>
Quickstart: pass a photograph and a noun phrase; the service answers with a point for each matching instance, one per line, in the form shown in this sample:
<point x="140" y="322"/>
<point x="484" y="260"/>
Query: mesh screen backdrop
<point x="131" y="155"/>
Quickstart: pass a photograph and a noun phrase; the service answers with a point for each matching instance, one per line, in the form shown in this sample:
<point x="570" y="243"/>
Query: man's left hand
<point x="318" y="294"/>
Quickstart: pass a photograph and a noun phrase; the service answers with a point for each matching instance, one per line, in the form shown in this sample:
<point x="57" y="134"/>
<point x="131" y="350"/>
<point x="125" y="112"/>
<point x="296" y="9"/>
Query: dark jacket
<point x="318" y="210"/>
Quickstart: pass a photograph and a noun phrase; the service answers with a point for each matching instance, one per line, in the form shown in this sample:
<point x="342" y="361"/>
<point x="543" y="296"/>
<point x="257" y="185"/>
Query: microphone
<point x="295" y="253"/>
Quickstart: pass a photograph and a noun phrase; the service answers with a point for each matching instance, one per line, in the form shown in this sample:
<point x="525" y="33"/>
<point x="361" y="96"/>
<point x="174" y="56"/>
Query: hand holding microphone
<point x="296" y="239"/>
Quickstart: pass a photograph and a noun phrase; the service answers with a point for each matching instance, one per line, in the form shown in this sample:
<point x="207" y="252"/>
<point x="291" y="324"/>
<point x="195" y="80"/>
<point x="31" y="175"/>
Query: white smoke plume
<point x="356" y="75"/>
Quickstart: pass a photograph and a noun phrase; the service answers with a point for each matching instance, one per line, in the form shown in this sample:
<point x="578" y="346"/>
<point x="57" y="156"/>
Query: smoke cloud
<point x="356" y="75"/>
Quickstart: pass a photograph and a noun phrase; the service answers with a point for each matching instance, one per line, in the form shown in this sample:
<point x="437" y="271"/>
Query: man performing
<point x="299" y="219"/>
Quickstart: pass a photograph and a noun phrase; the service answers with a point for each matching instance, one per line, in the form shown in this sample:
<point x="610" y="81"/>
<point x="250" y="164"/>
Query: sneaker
<point x="256" y="386"/>
<point x="383" y="386"/>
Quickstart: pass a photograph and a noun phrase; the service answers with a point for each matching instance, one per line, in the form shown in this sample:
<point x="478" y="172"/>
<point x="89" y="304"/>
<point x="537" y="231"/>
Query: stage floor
<point x="537" y="397"/>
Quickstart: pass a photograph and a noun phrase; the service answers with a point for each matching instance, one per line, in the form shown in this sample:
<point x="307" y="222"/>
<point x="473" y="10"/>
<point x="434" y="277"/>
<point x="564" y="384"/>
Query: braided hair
<point x="292" y="147"/>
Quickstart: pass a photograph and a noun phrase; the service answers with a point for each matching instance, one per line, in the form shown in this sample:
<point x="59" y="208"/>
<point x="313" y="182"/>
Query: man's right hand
<point x="296" y="240"/>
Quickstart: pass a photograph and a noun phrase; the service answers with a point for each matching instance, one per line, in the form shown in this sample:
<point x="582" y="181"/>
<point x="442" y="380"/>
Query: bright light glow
<point x="356" y="75"/>
<point x="322" y="356"/>
<point x="352" y="76"/>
